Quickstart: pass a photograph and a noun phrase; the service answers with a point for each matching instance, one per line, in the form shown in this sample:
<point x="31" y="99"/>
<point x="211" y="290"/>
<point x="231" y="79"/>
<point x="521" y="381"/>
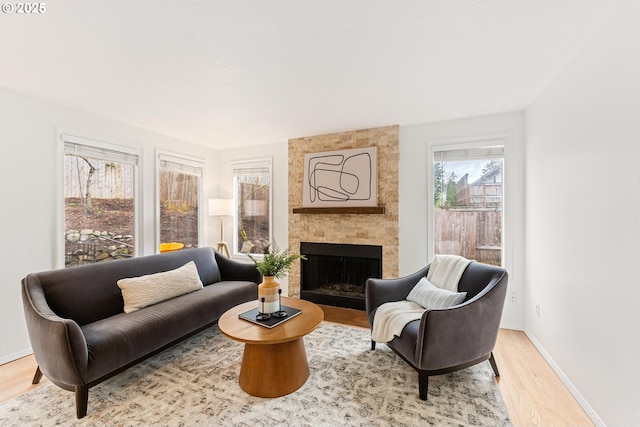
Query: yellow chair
<point x="170" y="247"/>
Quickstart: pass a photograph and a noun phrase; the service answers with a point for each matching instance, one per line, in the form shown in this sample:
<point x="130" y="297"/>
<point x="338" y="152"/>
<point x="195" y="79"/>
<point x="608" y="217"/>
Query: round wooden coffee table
<point x="274" y="363"/>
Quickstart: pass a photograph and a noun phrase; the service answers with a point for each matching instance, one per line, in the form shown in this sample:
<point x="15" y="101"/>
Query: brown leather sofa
<point x="80" y="335"/>
<point x="448" y="339"/>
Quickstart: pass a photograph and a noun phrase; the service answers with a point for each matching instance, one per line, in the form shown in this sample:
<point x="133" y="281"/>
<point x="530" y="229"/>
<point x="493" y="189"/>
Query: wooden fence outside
<point x="110" y="180"/>
<point x="116" y="181"/>
<point x="472" y="233"/>
<point x="178" y="190"/>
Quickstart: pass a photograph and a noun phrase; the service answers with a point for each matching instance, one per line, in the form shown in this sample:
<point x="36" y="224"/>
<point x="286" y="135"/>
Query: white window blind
<point x="478" y="153"/>
<point x="252" y="168"/>
<point x="171" y="163"/>
<point x="79" y="147"/>
<point x="253" y="172"/>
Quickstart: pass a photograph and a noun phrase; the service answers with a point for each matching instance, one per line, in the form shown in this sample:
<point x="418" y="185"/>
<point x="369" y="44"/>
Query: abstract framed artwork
<point x="343" y="178"/>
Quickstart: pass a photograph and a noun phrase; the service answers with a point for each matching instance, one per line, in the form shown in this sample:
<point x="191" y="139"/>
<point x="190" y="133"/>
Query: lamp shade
<point x="220" y="207"/>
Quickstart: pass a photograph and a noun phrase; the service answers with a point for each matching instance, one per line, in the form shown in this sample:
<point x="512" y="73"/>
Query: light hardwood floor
<point x="532" y="392"/>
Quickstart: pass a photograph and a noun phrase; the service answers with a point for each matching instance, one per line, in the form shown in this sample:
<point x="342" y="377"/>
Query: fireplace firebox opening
<point x="334" y="273"/>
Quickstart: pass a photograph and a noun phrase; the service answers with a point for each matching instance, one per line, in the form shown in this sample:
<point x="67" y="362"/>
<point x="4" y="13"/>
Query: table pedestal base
<point x="274" y="370"/>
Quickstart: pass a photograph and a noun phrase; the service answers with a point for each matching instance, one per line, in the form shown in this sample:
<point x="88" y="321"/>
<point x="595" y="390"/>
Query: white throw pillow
<point x="430" y="296"/>
<point x="139" y="292"/>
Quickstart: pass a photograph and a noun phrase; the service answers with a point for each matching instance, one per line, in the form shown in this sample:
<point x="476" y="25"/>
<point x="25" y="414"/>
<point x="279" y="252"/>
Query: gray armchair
<point x="446" y="340"/>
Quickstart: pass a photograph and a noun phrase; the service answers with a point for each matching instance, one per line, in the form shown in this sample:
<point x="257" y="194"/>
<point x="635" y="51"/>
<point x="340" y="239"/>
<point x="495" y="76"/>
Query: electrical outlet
<point x="514" y="297"/>
<point x="538" y="310"/>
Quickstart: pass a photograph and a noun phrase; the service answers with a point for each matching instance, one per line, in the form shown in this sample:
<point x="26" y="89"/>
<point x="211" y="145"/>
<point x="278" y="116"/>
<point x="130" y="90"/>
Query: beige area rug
<point x="196" y="383"/>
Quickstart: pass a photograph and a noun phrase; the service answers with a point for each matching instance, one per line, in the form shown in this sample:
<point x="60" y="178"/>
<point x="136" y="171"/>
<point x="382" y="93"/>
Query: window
<point x="252" y="196"/>
<point x="99" y="201"/>
<point x="179" y="195"/>
<point x="468" y="202"/>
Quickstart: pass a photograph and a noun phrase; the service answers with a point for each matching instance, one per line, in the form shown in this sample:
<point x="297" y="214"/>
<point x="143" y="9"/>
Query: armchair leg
<point x="373" y="345"/>
<point x="494" y="365"/>
<point x="82" y="399"/>
<point x="38" y="376"/>
<point x="423" y="384"/>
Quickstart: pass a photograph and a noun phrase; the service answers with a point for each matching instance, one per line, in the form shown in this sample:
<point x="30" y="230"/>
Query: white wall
<point x="28" y="187"/>
<point x="583" y="222"/>
<point x="278" y="153"/>
<point x="415" y="143"/>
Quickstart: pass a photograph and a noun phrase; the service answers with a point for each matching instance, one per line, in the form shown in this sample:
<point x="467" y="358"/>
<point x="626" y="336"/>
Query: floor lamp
<point x="221" y="208"/>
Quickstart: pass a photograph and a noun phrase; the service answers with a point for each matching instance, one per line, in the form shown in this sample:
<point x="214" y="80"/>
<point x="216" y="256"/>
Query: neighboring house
<point x="484" y="192"/>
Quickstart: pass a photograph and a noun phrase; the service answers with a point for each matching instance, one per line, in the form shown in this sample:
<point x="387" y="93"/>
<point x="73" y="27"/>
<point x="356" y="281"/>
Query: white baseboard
<point x="15" y="356"/>
<point x="572" y="389"/>
<point x="512" y="326"/>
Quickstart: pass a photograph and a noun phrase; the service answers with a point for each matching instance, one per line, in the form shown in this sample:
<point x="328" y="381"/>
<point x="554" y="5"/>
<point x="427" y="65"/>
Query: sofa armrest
<point x="58" y="344"/>
<point x="453" y="336"/>
<point x="380" y="291"/>
<point x="231" y="270"/>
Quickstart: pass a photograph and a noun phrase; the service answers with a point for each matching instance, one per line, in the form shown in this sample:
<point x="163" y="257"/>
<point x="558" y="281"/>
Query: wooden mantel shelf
<point x="377" y="210"/>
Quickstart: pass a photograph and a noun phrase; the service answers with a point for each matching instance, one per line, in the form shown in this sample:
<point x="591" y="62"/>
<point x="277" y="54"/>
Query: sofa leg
<point x="82" y="399"/>
<point x="494" y="365"/>
<point x="373" y="345"/>
<point x="423" y="384"/>
<point x="37" y="376"/>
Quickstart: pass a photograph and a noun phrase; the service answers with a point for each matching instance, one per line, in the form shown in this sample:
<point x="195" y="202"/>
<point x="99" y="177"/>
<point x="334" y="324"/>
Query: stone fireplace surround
<point x="348" y="228"/>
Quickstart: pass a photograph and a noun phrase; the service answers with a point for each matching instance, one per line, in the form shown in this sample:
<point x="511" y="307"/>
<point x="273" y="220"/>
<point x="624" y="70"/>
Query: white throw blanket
<point x="391" y="317"/>
<point x="445" y="271"/>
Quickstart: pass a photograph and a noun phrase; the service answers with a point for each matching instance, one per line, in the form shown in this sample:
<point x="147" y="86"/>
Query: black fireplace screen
<point x="335" y="274"/>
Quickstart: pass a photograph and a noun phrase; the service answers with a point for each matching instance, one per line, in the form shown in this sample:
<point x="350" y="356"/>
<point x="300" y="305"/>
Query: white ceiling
<point x="238" y="72"/>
